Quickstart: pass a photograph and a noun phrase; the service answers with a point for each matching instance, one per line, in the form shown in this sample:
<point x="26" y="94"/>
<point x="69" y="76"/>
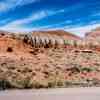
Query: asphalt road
<point x="52" y="94"/>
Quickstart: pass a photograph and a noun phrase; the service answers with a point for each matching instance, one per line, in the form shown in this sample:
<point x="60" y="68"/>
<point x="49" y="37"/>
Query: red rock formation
<point x="92" y="38"/>
<point x="60" y="33"/>
<point x="94" y="33"/>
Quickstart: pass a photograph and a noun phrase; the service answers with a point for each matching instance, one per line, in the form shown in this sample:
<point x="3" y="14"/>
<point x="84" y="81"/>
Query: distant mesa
<point x="92" y="38"/>
<point x="94" y="33"/>
<point x="43" y="38"/>
<point x="54" y="38"/>
<point x="60" y="33"/>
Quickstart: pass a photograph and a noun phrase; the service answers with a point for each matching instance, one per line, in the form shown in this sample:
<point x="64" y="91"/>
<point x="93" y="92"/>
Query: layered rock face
<point x="94" y="33"/>
<point x="51" y="38"/>
<point x="93" y="37"/>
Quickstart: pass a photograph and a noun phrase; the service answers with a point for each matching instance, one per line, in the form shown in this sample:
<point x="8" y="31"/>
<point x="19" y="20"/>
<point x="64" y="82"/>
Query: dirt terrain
<point x="23" y="66"/>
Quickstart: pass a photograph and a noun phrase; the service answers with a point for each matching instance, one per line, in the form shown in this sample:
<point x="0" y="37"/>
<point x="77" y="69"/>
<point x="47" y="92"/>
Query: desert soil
<point x="22" y="66"/>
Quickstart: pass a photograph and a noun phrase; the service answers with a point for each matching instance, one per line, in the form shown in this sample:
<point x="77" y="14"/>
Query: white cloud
<point x="17" y="25"/>
<point x="82" y="29"/>
<point x="57" y="25"/>
<point x="24" y="2"/>
<point x="11" y="4"/>
<point x="78" y="30"/>
<point x="32" y="17"/>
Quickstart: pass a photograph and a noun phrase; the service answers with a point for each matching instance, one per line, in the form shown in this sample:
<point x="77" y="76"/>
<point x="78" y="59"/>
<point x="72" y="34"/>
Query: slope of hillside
<point x="93" y="35"/>
<point x="92" y="39"/>
<point x="23" y="66"/>
<point x="60" y="33"/>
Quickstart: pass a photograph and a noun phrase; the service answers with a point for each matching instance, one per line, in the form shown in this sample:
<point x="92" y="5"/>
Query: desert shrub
<point x="4" y="84"/>
<point x="27" y="83"/>
<point x="96" y="82"/>
<point x="93" y="82"/>
<point x="68" y="83"/>
<point x="76" y="83"/>
<point x="91" y="45"/>
<point x="26" y="70"/>
<point x="46" y="72"/>
<point x="60" y="83"/>
<point x="51" y="84"/>
<point x="2" y="34"/>
<point x="75" y="43"/>
<point x="4" y="64"/>
<point x="9" y="49"/>
<point x="74" y="69"/>
<point x="66" y="42"/>
<point x="86" y="69"/>
<point x="25" y="39"/>
<point x="22" y="83"/>
<point x="46" y="45"/>
<point x="33" y="52"/>
<point x="38" y="85"/>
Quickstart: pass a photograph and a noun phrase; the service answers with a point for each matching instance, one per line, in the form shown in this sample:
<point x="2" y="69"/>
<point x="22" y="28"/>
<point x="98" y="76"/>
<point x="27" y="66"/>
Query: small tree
<point x="75" y="43"/>
<point x="66" y="42"/>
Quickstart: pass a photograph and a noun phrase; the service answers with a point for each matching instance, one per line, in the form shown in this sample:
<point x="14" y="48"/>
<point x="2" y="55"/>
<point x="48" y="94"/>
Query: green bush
<point x="66" y="42"/>
<point x="87" y="69"/>
<point x="4" y="84"/>
<point x="51" y="84"/>
<point x="60" y="83"/>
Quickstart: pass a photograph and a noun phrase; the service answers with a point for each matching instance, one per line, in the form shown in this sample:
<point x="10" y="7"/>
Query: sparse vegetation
<point x="87" y="69"/>
<point x="5" y="84"/>
<point x="9" y="49"/>
<point x="34" y="66"/>
<point x="66" y="42"/>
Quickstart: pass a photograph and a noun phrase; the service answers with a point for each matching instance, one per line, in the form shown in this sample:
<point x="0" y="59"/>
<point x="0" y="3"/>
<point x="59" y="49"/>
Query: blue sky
<point x="77" y="16"/>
